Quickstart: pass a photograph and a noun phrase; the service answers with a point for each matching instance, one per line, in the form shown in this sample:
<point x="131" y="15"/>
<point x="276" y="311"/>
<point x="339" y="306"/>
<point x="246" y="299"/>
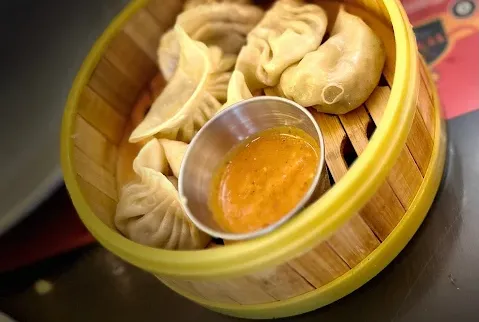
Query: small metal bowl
<point x="222" y="133"/>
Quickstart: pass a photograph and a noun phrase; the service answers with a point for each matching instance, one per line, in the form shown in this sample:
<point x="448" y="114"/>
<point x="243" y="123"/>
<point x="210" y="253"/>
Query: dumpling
<point x="287" y="32"/>
<point x="342" y="73"/>
<point x="174" y="153"/>
<point x="184" y="105"/>
<point x="273" y="91"/>
<point x="219" y="78"/>
<point x="222" y="65"/>
<point x="149" y="211"/>
<point x="168" y="54"/>
<point x="237" y="89"/>
<point x="189" y="4"/>
<point x="224" y="25"/>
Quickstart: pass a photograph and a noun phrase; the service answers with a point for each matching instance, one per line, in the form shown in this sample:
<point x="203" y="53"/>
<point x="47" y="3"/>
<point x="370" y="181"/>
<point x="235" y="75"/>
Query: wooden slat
<point x="94" y="145"/>
<point x="355" y="123"/>
<point x="114" y="87"/>
<point x="424" y="71"/>
<point x="334" y="135"/>
<point x="281" y="282"/>
<point x="425" y="100"/>
<point x="94" y="174"/>
<point x="242" y="290"/>
<point x="377" y="101"/>
<point x="265" y="287"/>
<point x="145" y="32"/>
<point x="378" y="213"/>
<point x="320" y="265"/>
<point x="354" y="241"/>
<point x="127" y="152"/>
<point x="211" y="291"/>
<point x="102" y="205"/>
<point x="405" y="177"/>
<point x="165" y="11"/>
<point x="182" y="285"/>
<point x="101" y="115"/>
<point x="384" y="211"/>
<point x="125" y="55"/>
<point x="419" y="141"/>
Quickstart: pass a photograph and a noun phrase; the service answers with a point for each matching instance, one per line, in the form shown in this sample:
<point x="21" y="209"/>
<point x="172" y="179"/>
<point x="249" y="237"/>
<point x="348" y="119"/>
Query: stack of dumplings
<point x="221" y="52"/>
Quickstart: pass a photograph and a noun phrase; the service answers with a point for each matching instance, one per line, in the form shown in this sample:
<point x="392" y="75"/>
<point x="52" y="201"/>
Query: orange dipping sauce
<point x="263" y="179"/>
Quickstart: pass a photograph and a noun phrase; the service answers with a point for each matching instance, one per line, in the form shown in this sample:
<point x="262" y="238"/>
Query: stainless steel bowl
<point x="225" y="131"/>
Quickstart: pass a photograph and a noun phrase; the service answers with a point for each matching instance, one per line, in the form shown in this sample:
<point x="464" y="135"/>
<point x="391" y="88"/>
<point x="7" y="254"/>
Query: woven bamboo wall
<point x="126" y="81"/>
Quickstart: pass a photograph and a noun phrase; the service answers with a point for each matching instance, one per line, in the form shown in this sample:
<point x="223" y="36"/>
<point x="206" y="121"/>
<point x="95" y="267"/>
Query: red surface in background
<point x="458" y="82"/>
<point x="417" y="10"/>
<point x="457" y="70"/>
<point x="52" y="229"/>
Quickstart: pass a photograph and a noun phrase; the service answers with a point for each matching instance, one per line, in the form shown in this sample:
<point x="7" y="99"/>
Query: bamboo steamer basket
<point x="335" y="245"/>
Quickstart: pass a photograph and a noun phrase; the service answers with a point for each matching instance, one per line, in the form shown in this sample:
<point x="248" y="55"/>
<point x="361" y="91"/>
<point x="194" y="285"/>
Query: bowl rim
<point x="299" y="206"/>
<point x="304" y="232"/>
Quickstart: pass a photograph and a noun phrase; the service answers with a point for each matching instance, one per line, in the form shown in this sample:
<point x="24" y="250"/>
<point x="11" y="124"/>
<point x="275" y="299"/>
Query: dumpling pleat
<point x="149" y="211"/>
<point x="287" y="32"/>
<point x="222" y="25"/>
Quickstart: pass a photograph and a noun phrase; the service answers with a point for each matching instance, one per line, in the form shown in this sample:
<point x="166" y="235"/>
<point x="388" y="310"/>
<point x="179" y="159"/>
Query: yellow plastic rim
<point x="304" y="231"/>
<point x="370" y="266"/>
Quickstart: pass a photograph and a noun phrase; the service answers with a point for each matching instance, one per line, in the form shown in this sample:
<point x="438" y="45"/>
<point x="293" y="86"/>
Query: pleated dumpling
<point x="237" y="89"/>
<point x="222" y="65"/>
<point x="219" y="78"/>
<point x="342" y="73"/>
<point x="287" y="32"/>
<point x="224" y="25"/>
<point x="168" y="54"/>
<point x="185" y="104"/>
<point x="149" y="211"/>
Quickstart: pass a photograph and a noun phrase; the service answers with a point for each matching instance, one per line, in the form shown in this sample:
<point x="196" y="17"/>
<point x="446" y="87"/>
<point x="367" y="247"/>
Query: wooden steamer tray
<point x="378" y="200"/>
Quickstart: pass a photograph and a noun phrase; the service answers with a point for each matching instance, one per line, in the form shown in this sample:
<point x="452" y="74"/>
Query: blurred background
<point x="51" y="269"/>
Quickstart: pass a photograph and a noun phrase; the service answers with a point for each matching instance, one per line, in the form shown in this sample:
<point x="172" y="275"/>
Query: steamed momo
<point x="287" y="32"/>
<point x="222" y="64"/>
<point x="149" y="211"/>
<point x="185" y="104"/>
<point x="237" y="89"/>
<point x="224" y="25"/>
<point x="342" y="73"/>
